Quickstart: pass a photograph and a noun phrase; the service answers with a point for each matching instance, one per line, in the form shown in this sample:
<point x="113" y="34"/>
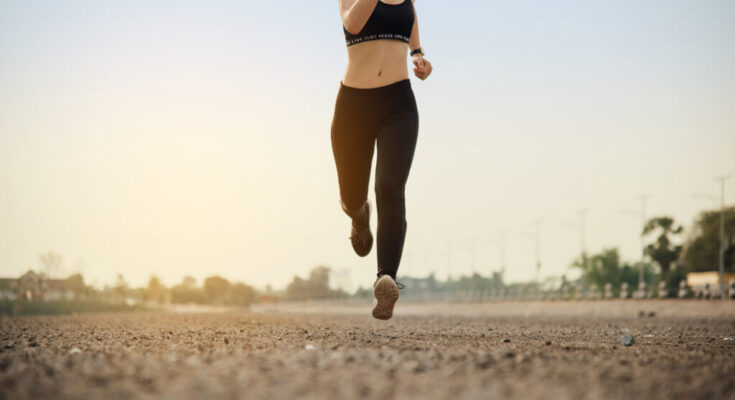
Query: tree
<point x="662" y="251"/>
<point x="155" y="292"/>
<point x="189" y="282"/>
<point x="187" y="292"/>
<point x="702" y="248"/>
<point x="477" y="282"/>
<point x="216" y="289"/>
<point x="51" y="263"/>
<point x="606" y="267"/>
<point x="121" y="290"/>
<point x="241" y="295"/>
<point x="75" y="284"/>
<point x="316" y="287"/>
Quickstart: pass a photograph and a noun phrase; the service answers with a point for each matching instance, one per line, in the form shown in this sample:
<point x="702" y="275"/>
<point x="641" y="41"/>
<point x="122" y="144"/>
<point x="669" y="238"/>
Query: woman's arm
<point x="355" y="13"/>
<point x="422" y="67"/>
<point x="414" y="42"/>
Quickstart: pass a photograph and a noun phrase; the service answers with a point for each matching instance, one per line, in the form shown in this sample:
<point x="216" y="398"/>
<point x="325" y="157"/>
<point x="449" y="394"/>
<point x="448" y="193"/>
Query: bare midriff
<point x="376" y="63"/>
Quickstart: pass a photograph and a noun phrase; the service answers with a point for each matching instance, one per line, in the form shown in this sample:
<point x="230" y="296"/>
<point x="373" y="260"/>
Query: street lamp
<point x="580" y="227"/>
<point x="642" y="213"/>
<point x="721" y="179"/>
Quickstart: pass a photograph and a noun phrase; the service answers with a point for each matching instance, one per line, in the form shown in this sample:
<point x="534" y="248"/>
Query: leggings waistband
<point x="380" y="90"/>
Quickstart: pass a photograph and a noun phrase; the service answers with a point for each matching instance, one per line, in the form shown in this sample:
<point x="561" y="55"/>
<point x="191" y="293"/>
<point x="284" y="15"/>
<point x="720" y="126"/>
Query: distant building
<point x="702" y="282"/>
<point x="33" y="286"/>
<point x="57" y="289"/>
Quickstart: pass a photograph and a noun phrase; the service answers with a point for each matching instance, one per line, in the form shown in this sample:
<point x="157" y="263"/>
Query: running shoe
<point x="386" y="295"/>
<point x="360" y="235"/>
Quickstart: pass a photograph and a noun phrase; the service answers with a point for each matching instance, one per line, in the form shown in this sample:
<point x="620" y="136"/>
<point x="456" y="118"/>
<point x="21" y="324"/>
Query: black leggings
<point x="388" y="115"/>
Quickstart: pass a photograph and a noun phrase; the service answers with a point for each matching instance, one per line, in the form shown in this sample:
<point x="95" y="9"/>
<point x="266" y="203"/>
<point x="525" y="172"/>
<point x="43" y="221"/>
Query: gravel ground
<point x="681" y="349"/>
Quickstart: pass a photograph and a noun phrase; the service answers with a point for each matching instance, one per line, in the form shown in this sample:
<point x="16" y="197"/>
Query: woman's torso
<point x="377" y="63"/>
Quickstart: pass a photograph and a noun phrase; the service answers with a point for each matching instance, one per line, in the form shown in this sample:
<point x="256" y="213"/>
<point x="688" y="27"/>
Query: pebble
<point x="627" y="340"/>
<point x="548" y="342"/>
<point x="506" y="341"/>
<point x="309" y="347"/>
<point x="75" y="350"/>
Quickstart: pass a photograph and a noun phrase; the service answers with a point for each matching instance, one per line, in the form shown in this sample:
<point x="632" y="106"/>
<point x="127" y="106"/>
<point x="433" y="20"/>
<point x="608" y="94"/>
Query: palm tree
<point x="662" y="251"/>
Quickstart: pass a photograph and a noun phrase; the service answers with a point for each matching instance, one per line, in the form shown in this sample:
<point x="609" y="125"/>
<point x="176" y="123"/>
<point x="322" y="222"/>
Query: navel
<point x="380" y="73"/>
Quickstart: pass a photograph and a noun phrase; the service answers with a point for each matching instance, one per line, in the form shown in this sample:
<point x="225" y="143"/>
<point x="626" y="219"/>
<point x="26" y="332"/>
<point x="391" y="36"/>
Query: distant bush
<point x="55" y="307"/>
<point x="314" y="288"/>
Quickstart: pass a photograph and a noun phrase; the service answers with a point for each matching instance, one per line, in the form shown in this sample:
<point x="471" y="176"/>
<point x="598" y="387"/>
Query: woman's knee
<point x="387" y="191"/>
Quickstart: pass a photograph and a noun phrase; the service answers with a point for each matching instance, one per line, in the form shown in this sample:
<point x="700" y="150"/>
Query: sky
<point x="193" y="138"/>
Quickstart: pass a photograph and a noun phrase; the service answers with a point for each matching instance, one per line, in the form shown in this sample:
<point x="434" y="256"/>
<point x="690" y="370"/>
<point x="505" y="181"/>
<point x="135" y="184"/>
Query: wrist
<point x="418" y="51"/>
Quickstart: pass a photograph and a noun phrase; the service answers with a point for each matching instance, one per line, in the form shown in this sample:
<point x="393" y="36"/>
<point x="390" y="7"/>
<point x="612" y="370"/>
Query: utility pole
<point x="642" y="214"/>
<point x="537" y="248"/>
<point x="722" y="180"/>
<point x="643" y="199"/>
<point x="501" y="245"/>
<point x="582" y="214"/>
<point x="537" y="224"/>
<point x="449" y="261"/>
<point x="474" y="239"/>
<point x="580" y="226"/>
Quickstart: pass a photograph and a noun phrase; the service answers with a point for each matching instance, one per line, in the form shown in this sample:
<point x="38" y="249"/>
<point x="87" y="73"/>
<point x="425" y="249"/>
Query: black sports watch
<point x="417" y="51"/>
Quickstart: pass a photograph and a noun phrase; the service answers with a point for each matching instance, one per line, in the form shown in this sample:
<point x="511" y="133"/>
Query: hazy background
<point x="183" y="137"/>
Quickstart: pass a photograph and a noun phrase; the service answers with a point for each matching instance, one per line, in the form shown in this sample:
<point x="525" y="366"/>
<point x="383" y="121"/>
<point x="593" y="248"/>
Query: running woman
<point x="375" y="104"/>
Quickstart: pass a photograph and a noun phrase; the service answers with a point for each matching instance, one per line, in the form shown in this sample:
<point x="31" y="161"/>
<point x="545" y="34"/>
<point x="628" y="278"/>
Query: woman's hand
<point x="422" y="66"/>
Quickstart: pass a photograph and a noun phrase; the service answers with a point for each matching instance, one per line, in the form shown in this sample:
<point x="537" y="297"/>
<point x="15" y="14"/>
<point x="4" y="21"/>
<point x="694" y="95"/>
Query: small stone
<point x="548" y="342"/>
<point x="75" y="350"/>
<point x="627" y="340"/>
<point x="652" y="314"/>
<point x="227" y="341"/>
<point x="506" y="341"/>
<point x="309" y="347"/>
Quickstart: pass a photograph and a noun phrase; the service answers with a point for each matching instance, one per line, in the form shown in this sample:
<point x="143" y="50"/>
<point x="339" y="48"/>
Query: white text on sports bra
<point x="377" y="37"/>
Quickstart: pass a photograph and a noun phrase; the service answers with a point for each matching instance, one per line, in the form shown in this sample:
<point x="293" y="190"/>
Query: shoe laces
<point x="398" y="284"/>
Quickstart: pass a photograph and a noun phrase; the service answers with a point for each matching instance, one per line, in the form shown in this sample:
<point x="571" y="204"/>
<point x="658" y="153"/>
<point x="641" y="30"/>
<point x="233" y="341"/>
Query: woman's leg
<point x="352" y="144"/>
<point x="396" y="145"/>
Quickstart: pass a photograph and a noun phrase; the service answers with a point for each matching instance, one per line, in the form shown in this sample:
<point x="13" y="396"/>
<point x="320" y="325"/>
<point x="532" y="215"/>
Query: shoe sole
<point x="369" y="237"/>
<point x="386" y="296"/>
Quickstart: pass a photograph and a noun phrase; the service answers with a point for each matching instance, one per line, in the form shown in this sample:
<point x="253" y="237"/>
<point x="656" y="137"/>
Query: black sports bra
<point x="388" y="21"/>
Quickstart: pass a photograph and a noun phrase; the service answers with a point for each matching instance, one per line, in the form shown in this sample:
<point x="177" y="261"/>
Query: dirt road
<point x="682" y="349"/>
